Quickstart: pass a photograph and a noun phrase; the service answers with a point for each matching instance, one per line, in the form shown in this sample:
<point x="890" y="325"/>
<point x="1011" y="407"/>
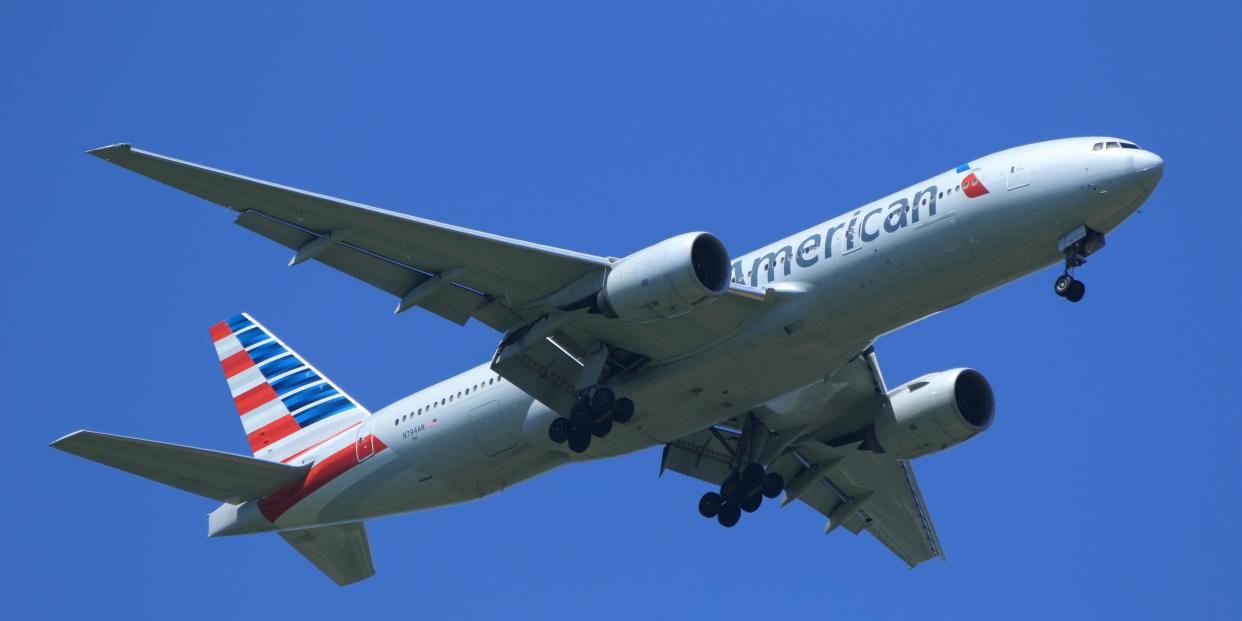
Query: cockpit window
<point x="1098" y="146"/>
<point x="1112" y="145"/>
<point x="1129" y="145"/>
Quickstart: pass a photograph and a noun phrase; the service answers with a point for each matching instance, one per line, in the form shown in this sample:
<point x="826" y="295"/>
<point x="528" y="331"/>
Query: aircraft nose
<point x="1148" y="169"/>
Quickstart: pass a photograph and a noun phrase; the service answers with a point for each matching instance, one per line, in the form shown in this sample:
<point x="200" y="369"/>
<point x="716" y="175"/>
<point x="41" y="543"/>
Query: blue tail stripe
<point x="265" y="351"/>
<point x="250" y="336"/>
<point x="280" y="365"/>
<point x="323" y="410"/>
<point x="289" y="382"/>
<point x="237" y="322"/>
<point x="310" y="395"/>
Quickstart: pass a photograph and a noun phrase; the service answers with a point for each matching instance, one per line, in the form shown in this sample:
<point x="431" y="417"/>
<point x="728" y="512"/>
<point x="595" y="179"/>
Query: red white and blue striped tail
<point x="287" y="407"/>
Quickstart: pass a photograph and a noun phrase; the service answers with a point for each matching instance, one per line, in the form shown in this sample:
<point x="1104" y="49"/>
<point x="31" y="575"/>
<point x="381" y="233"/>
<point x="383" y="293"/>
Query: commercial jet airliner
<point x="756" y="373"/>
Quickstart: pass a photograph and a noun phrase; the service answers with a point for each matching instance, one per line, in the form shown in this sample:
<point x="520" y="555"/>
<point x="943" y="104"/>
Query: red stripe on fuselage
<point x="275" y="505"/>
<point x="254" y="397"/>
<point x="280" y="428"/>
<point x="220" y="331"/>
<point x="236" y="363"/>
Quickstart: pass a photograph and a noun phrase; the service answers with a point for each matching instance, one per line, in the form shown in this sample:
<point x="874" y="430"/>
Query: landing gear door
<point x="364" y="442"/>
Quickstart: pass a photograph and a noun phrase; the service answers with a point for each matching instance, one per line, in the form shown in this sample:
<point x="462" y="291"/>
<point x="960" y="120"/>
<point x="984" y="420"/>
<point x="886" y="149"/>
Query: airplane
<point x="757" y="374"/>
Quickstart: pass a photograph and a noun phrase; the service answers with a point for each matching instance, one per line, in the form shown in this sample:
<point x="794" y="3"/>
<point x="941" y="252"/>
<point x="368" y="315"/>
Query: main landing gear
<point x="592" y="415"/>
<point x="1076" y="245"/>
<point x="742" y="491"/>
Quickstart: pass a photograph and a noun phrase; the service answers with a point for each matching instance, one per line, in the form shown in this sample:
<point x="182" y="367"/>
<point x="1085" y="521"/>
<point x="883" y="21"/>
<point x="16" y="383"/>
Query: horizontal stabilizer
<point x="342" y="552"/>
<point x="223" y="476"/>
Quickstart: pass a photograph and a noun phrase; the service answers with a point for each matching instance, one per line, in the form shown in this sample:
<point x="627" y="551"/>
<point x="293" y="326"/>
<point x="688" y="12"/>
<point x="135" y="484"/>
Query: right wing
<point x="855" y="489"/>
<point x="342" y="551"/>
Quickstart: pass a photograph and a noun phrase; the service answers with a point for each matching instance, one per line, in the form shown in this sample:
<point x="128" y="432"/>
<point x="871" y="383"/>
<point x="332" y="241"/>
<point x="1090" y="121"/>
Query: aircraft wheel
<point x="773" y="485"/>
<point x="602" y="400"/>
<point x="558" y="431"/>
<point x="580" y="415"/>
<point x="601" y="428"/>
<point x="623" y="410"/>
<point x="1063" y="285"/>
<point x="729" y="515"/>
<point x="579" y="440"/>
<point x="710" y="504"/>
<point x="751" y="503"/>
<point x="1076" y="291"/>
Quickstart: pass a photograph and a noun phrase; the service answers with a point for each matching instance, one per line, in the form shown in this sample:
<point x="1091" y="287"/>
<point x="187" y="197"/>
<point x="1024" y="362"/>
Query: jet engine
<point x="934" y="412"/>
<point x="666" y="280"/>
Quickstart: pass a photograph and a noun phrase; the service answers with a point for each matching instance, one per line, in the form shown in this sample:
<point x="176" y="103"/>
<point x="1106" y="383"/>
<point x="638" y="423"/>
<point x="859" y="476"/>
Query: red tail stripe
<point x="220" y="331"/>
<point x="272" y="432"/>
<point x="324" y="470"/>
<point x="236" y="363"/>
<point x="254" y="397"/>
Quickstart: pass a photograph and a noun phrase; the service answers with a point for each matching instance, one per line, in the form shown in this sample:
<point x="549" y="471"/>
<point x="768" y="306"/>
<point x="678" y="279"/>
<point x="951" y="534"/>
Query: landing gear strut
<point x="748" y="483"/>
<point x="1076" y="245"/>
<point x="593" y="415"/>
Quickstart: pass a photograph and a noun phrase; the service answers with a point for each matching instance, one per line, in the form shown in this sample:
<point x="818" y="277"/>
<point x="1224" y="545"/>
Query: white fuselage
<point x="840" y="285"/>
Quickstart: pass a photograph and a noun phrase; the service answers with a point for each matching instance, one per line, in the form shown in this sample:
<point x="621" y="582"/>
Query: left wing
<point x="855" y="489"/>
<point x="463" y="273"/>
<point x="529" y="291"/>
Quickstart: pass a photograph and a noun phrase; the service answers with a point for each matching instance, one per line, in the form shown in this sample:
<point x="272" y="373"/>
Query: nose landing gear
<point x="1069" y="288"/>
<point x="1076" y="245"/>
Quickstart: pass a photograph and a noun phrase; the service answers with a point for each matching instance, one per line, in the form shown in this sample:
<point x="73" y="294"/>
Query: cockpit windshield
<point x="1101" y="146"/>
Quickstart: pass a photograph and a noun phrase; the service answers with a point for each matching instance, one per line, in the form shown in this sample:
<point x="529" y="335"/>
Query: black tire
<point x="580" y="415"/>
<point x="731" y="489"/>
<point x="729" y="515"/>
<point x="579" y="440"/>
<point x="558" y="431"/>
<point x="1076" y="291"/>
<point x="623" y="410"/>
<point x="709" y="505"/>
<point x="1063" y="284"/>
<point x="602" y="400"/>
<point x="773" y="485"/>
<point x="751" y="503"/>
<point x="752" y="476"/>
<point x="601" y="428"/>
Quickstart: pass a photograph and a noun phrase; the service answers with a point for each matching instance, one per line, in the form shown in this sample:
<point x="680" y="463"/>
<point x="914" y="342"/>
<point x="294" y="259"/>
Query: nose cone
<point x="1148" y="169"/>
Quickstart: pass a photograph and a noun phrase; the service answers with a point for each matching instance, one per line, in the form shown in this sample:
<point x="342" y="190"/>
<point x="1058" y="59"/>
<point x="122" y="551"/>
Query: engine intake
<point x="667" y="279"/>
<point x="934" y="412"/>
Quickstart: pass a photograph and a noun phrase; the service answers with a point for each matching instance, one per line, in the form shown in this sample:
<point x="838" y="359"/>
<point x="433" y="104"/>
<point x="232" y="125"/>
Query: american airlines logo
<point x="859" y="229"/>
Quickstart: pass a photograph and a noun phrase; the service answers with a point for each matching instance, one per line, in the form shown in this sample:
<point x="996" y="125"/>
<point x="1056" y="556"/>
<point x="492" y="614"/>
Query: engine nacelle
<point x="667" y="279"/>
<point x="935" y="412"/>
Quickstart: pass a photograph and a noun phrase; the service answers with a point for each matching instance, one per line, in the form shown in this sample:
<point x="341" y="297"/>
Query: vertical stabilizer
<point x="286" y="406"/>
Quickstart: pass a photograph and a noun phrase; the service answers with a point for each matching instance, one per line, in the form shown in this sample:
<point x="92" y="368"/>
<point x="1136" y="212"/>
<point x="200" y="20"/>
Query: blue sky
<point x="1107" y="487"/>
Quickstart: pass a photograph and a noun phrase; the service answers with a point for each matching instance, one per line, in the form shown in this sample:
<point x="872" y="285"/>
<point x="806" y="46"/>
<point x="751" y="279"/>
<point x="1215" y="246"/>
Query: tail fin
<point x="287" y="406"/>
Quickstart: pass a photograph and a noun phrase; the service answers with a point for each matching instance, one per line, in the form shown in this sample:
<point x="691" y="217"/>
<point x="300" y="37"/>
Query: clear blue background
<point x="1107" y="487"/>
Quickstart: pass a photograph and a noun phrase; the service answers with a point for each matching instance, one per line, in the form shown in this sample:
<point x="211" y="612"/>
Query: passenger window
<point x="491" y="380"/>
